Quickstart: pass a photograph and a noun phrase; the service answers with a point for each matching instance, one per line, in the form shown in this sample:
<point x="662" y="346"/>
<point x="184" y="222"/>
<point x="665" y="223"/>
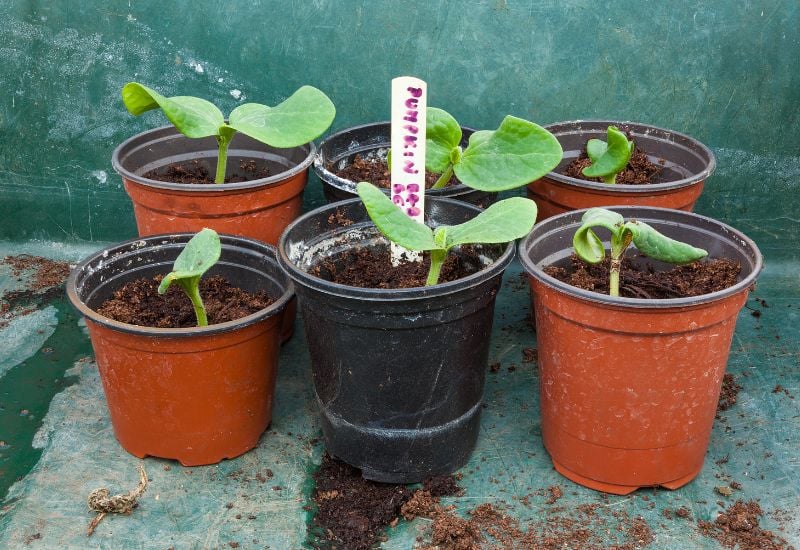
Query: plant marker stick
<point x="409" y="102"/>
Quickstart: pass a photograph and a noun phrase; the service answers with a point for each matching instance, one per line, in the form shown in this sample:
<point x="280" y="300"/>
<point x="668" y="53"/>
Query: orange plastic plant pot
<point x="629" y="387"/>
<point x="196" y="399"/>
<point x="258" y="209"/>
<point x="198" y="394"/>
<point x="687" y="163"/>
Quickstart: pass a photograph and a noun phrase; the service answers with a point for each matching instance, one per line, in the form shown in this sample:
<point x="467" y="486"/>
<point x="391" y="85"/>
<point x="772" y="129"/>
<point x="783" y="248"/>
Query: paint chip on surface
<point x="197" y="67"/>
<point x="100" y="175"/>
<point x="236" y="94"/>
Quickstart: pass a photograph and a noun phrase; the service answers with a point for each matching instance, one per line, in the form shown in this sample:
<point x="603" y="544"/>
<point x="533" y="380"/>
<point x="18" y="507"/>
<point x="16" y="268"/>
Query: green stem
<point x="610" y="179"/>
<point x="222" y="159"/>
<point x="199" y="309"/>
<point x="437" y="260"/>
<point x="444" y="178"/>
<point x="613" y="289"/>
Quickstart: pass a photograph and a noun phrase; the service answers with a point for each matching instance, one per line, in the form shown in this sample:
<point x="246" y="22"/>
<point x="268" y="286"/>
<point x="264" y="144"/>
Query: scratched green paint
<point x="727" y="73"/>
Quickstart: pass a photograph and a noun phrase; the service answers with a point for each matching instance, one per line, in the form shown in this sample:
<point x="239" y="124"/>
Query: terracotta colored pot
<point x="373" y="141"/>
<point x="259" y="209"/>
<point x="197" y="395"/>
<point x="629" y="387"/>
<point x="687" y="164"/>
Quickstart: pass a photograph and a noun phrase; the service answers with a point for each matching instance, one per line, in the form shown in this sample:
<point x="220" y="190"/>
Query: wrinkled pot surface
<point x="373" y="141"/>
<point x="197" y="395"/>
<point x="629" y="387"/>
<point x="398" y="374"/>
<point x="687" y="164"/>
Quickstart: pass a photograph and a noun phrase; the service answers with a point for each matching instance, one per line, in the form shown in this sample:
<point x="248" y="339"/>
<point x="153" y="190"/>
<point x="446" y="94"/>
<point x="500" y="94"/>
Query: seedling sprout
<point x="200" y="253"/>
<point x="502" y="222"/>
<point x="304" y="116"/>
<point x="650" y="242"/>
<point x="515" y="154"/>
<point x="610" y="157"/>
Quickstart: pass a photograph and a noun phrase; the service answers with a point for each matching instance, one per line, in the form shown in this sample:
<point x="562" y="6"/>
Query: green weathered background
<point x="725" y="72"/>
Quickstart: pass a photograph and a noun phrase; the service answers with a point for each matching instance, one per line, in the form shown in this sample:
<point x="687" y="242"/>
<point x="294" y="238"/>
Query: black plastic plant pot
<point x="686" y="165"/>
<point x="398" y="374"/>
<point x="372" y="141"/>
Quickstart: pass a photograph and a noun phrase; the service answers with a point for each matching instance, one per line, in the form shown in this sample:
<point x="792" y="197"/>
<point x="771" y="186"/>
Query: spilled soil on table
<point x="43" y="279"/>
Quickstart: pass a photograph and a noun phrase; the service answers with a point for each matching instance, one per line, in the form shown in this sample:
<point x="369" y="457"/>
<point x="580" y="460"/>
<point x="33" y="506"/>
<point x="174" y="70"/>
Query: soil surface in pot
<point x="139" y="303"/>
<point x="376" y="171"/>
<point x="196" y="172"/>
<point x="372" y="268"/>
<point x="643" y="281"/>
<point x="639" y="171"/>
<point x="352" y="511"/>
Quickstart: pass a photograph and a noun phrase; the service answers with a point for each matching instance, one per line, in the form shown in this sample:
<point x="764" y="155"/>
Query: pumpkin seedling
<point x="610" y="157"/>
<point x="200" y="253"/>
<point x="515" y="154"/>
<point x="502" y="222"/>
<point x="650" y="242"/>
<point x="303" y="117"/>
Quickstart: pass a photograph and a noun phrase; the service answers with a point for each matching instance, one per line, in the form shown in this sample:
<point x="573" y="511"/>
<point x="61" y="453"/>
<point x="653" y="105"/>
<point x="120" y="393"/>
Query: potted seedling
<point x="263" y="151"/>
<point x="483" y="162"/>
<point x="184" y="383"/>
<point x="609" y="163"/>
<point x="629" y="380"/>
<point x="399" y="372"/>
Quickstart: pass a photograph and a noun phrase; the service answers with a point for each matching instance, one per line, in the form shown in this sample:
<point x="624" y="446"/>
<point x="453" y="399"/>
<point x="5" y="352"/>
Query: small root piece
<point x="100" y="501"/>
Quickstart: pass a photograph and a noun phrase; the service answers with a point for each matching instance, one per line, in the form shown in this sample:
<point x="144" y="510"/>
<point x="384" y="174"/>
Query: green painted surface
<point x="727" y="73"/>
<point x="188" y="507"/>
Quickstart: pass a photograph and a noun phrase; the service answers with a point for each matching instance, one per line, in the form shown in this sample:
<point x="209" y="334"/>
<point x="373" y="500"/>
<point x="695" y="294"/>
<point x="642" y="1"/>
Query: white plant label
<point x="409" y="101"/>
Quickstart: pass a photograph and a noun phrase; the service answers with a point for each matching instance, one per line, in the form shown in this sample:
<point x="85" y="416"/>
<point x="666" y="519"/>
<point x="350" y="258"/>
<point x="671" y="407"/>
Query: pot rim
<point x="634" y="189"/>
<point x="188" y="332"/>
<point x="387" y="294"/>
<point x="620" y="302"/>
<point x="330" y="178"/>
<point x="204" y="187"/>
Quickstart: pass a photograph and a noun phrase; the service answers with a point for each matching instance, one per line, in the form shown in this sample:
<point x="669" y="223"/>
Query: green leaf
<point x="588" y="246"/>
<point x="303" y="117"/>
<point x="596" y="148"/>
<point x="502" y="222"/>
<point x="660" y="247"/>
<point x="393" y="222"/>
<point x="613" y="159"/>
<point x="200" y="253"/>
<point x="517" y="153"/>
<point x="442" y="135"/>
<point x="479" y="136"/>
<point x="192" y="116"/>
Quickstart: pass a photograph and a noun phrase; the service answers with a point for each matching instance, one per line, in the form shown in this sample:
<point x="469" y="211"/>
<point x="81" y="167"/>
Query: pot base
<point x="619" y="489"/>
